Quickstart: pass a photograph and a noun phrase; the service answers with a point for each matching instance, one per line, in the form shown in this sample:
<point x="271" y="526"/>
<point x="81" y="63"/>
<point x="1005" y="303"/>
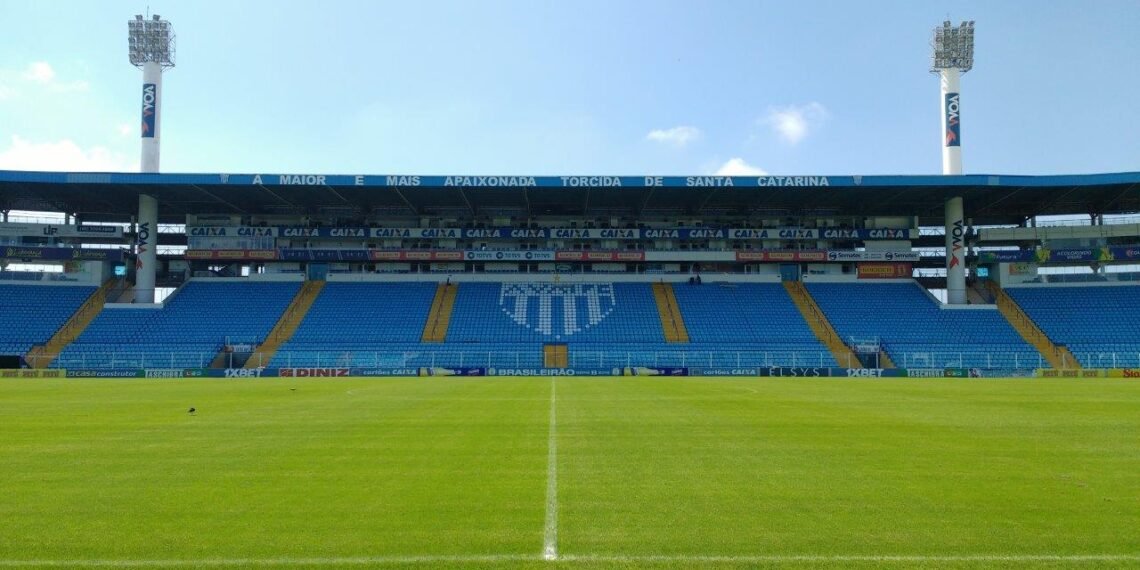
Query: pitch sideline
<point x="550" y="529"/>
<point x="587" y="558"/>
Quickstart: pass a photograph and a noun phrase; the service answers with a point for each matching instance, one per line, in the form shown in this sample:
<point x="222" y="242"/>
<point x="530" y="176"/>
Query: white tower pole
<point x="151" y="130"/>
<point x="953" y="56"/>
<point x="151" y="44"/>
<point x="951" y="121"/>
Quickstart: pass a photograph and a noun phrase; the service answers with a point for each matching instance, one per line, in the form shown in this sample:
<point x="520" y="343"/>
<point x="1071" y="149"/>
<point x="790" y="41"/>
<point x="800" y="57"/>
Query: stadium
<point x="379" y="370"/>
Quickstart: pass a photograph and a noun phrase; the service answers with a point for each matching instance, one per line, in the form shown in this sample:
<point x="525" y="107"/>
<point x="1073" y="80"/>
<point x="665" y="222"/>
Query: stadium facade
<point x="331" y="275"/>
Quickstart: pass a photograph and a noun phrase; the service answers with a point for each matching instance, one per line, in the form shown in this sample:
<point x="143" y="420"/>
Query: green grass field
<point x="644" y="472"/>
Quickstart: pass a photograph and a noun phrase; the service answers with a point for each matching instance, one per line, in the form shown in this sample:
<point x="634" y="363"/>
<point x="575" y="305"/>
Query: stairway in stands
<point x="822" y="327"/>
<point x="43" y="355"/>
<point x="1058" y="356"/>
<point x="672" y="324"/>
<point x="435" y="329"/>
<point x="287" y="325"/>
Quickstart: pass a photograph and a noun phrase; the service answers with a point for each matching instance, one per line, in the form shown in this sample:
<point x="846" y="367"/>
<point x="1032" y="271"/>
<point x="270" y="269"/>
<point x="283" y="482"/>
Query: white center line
<point x="550" y="535"/>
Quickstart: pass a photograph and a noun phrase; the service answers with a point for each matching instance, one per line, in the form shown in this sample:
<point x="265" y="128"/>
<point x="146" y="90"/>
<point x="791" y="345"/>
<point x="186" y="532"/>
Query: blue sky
<point x="573" y="87"/>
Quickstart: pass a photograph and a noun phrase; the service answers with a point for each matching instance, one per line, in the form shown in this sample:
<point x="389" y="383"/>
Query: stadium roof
<point x="989" y="199"/>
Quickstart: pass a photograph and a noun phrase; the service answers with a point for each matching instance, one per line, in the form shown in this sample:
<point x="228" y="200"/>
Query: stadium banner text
<point x="61" y="254"/>
<point x="372" y="255"/>
<point x="60" y="230"/>
<point x="1088" y="373"/>
<point x="552" y="233"/>
<point x="33" y="373"/>
<point x="1078" y="255"/>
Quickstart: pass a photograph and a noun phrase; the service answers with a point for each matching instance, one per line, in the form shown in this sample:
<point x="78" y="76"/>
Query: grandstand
<point x="518" y="274"/>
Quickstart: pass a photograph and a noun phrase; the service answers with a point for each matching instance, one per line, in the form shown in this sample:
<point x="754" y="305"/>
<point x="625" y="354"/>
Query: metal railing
<point x="969" y="359"/>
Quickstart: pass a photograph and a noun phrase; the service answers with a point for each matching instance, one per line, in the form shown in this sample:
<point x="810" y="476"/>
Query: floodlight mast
<point x="151" y="48"/>
<point x="953" y="55"/>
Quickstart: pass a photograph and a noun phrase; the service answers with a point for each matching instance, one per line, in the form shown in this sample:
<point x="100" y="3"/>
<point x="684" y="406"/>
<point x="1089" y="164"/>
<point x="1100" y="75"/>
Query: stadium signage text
<point x="244" y="372"/>
<point x="495" y="181"/>
<point x="149" y="98"/>
<point x="793" y="181"/>
<point x="164" y="373"/>
<point x="313" y="372"/>
<point x="956" y="244"/>
<point x="59" y="230"/>
<point x="553" y="233"/>
<point x="953" y="126"/>
<point x="396" y="181"/>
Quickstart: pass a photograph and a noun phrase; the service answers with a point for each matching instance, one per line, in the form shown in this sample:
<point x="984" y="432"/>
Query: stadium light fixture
<point x="953" y="47"/>
<point x="150" y="41"/>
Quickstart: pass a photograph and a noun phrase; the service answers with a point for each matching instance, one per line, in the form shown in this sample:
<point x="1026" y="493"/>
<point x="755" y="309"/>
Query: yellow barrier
<point x="33" y="373"/>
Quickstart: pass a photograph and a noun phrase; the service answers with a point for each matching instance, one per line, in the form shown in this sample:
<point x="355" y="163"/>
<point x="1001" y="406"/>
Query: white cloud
<point x="738" y="167"/>
<point x="6" y="92"/>
<point x="124" y="129"/>
<point x="63" y="155"/>
<point x="795" y="122"/>
<point x="40" y="72"/>
<point x="676" y="136"/>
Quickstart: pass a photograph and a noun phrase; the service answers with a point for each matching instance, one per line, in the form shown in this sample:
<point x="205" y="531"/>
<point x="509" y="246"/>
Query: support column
<point x="146" y="243"/>
<point x="955" y="253"/>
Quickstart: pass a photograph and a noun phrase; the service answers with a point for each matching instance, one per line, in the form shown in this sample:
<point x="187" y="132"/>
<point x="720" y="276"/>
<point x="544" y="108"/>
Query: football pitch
<point x="570" y="473"/>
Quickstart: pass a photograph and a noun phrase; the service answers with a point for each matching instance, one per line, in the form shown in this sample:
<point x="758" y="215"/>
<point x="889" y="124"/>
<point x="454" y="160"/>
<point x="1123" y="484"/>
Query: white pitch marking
<point x="776" y="558"/>
<point x="245" y="562"/>
<point x="598" y="558"/>
<point x="550" y="534"/>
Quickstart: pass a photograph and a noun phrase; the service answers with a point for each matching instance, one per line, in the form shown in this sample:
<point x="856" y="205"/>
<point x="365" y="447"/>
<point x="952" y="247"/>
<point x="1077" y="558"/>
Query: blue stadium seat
<point x="917" y="333"/>
<point x="1099" y="324"/>
<point x="187" y="332"/>
<point x="31" y="314"/>
<point x="747" y="325"/>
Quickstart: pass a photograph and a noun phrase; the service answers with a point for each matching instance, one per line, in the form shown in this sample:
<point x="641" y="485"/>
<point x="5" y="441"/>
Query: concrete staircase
<point x="672" y="324"/>
<point x="822" y="328"/>
<point x="1059" y="357"/>
<point x="439" y="317"/>
<point x="42" y="356"/>
<point x="286" y="325"/>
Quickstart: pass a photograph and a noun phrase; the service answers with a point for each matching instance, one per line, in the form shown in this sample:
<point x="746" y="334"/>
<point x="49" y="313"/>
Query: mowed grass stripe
<point x="118" y="469"/>
<point x="844" y="467"/>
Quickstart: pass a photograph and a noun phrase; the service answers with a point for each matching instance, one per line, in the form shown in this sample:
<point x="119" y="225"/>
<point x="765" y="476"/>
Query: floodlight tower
<point x="953" y="55"/>
<point x="151" y="44"/>
<point x="152" y="50"/>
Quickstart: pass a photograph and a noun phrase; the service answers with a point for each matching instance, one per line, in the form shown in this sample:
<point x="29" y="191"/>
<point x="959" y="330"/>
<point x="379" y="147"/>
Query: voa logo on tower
<point x="557" y="311"/>
<point x="953" y="121"/>
<point x="149" y="98"/>
<point x="143" y="243"/>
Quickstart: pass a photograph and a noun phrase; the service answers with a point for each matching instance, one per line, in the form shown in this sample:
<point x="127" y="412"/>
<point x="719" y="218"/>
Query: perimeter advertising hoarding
<point x="61" y="254"/>
<point x="884" y="270"/>
<point x="33" y="373"/>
